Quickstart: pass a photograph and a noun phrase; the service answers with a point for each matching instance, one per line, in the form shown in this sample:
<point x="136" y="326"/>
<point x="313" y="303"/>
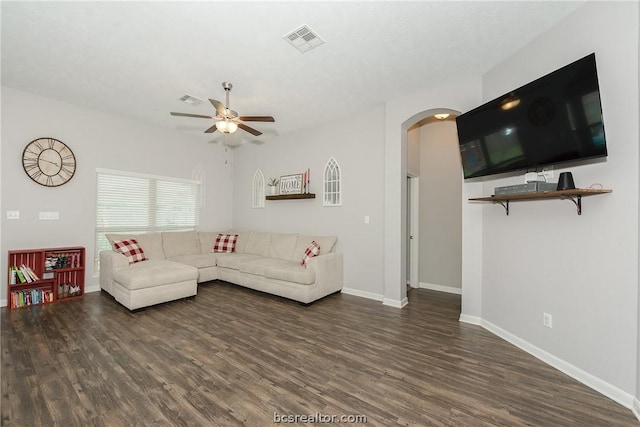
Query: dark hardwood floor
<point x="232" y="357"/>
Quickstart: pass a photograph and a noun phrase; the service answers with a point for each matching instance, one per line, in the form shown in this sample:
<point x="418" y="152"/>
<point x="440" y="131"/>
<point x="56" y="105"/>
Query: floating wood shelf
<point x="574" y="195"/>
<point x="292" y="196"/>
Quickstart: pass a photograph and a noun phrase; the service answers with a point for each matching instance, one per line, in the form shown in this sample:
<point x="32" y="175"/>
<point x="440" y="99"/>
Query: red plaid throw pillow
<point x="225" y="243"/>
<point x="312" y="250"/>
<point x="130" y="249"/>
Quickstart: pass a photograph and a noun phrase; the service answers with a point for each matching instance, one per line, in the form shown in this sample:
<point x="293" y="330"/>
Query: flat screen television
<point x="556" y="118"/>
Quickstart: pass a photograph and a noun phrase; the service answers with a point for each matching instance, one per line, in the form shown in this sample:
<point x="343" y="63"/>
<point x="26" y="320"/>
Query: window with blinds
<point x="131" y="203"/>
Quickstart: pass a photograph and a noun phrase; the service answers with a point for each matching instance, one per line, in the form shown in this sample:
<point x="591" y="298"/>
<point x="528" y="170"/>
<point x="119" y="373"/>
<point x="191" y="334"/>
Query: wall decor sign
<point x="291" y="184"/>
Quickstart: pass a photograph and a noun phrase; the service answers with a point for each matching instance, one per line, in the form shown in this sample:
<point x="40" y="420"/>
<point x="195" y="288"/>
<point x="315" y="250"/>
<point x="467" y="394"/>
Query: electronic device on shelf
<point x="529" y="187"/>
<point x="556" y="118"/>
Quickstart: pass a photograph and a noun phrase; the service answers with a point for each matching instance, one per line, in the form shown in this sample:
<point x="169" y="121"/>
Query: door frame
<point x="413" y="229"/>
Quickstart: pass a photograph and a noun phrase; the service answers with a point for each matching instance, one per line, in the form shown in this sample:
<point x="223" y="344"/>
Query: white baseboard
<point x="363" y="294"/>
<point x="472" y="320"/>
<point x="612" y="392"/>
<point x="636" y="408"/>
<point x="395" y="303"/>
<point x="441" y="288"/>
<point x="376" y="297"/>
<point x="92" y="288"/>
<point x="3" y="302"/>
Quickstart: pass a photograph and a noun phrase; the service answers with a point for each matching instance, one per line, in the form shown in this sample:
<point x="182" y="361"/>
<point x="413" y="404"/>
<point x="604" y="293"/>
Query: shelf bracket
<point x="577" y="200"/>
<point x="505" y="205"/>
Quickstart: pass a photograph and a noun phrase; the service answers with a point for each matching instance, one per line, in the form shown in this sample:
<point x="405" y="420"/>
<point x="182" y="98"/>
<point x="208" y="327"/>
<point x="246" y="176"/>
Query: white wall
<point x="357" y="144"/>
<point x="98" y="140"/>
<point x="543" y="257"/>
<point x="440" y="206"/>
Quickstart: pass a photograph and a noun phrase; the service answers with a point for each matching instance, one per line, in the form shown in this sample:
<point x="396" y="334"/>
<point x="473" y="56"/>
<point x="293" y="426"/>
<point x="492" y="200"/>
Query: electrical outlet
<point x="13" y="214"/>
<point x="47" y="216"/>
<point x="547" y="173"/>
<point x="547" y="320"/>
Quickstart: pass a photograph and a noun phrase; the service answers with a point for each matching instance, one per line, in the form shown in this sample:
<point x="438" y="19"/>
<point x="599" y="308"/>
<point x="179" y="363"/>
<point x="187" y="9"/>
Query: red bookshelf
<point x="43" y="276"/>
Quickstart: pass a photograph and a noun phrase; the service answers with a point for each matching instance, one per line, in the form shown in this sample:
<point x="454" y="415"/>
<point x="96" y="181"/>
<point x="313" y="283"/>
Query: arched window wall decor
<point x="332" y="184"/>
<point x="258" y="190"/>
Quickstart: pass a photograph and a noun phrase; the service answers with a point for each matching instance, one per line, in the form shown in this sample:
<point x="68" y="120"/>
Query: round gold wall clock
<point x="49" y="162"/>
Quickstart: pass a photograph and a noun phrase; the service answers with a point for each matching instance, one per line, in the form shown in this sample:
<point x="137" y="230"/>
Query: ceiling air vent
<point x="191" y="100"/>
<point x="304" y="39"/>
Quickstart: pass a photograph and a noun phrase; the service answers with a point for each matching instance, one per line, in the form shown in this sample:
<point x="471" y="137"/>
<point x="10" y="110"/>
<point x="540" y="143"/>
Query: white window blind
<point x="131" y="203"/>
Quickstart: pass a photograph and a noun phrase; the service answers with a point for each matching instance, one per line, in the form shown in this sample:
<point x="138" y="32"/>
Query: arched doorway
<point x="434" y="204"/>
<point x="446" y="255"/>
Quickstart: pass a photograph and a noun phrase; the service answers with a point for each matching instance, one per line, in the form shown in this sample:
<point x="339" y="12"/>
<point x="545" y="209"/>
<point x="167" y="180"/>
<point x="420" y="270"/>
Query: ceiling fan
<point x="227" y="120"/>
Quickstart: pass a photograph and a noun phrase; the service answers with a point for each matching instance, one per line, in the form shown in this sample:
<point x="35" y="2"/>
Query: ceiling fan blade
<point x="219" y="107"/>
<point x="257" y="118"/>
<point x="199" y="116"/>
<point x="212" y="129"/>
<point x="248" y="129"/>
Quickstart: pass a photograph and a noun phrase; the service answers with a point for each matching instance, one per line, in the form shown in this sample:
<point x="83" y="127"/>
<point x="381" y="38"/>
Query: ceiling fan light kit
<point x="227" y="120"/>
<point x="226" y="126"/>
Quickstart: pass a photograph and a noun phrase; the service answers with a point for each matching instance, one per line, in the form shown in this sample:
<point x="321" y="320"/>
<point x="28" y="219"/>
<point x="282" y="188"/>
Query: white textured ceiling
<point x="135" y="59"/>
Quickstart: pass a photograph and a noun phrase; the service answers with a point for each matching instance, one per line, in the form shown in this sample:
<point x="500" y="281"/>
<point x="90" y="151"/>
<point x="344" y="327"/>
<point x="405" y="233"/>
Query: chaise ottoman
<point x="153" y="282"/>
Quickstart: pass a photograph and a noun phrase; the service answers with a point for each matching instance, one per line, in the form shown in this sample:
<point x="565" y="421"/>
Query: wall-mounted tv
<point x="556" y="118"/>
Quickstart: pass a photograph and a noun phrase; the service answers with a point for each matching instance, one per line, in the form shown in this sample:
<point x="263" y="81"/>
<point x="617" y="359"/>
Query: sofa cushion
<point x="234" y="260"/>
<point x="130" y="249"/>
<point x="225" y="243"/>
<point x="196" y="260"/>
<point x="257" y="266"/>
<point x="241" y="241"/>
<point x="312" y="250"/>
<point x="326" y="245"/>
<point x="279" y="269"/>
<point x="290" y="271"/>
<point x="154" y="273"/>
<point x="282" y="245"/>
<point x="206" y="240"/>
<point x="259" y="243"/>
<point x="151" y="243"/>
<point x="177" y="243"/>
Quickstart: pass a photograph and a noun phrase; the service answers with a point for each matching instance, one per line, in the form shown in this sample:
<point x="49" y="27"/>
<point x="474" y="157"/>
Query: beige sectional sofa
<point x="178" y="261"/>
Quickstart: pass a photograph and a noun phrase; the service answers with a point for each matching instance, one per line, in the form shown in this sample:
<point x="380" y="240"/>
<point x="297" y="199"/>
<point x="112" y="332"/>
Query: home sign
<point x="291" y="184"/>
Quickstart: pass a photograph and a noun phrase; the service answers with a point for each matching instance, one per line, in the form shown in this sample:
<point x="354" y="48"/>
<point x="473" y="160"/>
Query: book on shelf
<point x="32" y="273"/>
<point x="28" y="273"/>
<point x="20" y="275"/>
<point x="31" y="297"/>
<point x="13" y="276"/>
